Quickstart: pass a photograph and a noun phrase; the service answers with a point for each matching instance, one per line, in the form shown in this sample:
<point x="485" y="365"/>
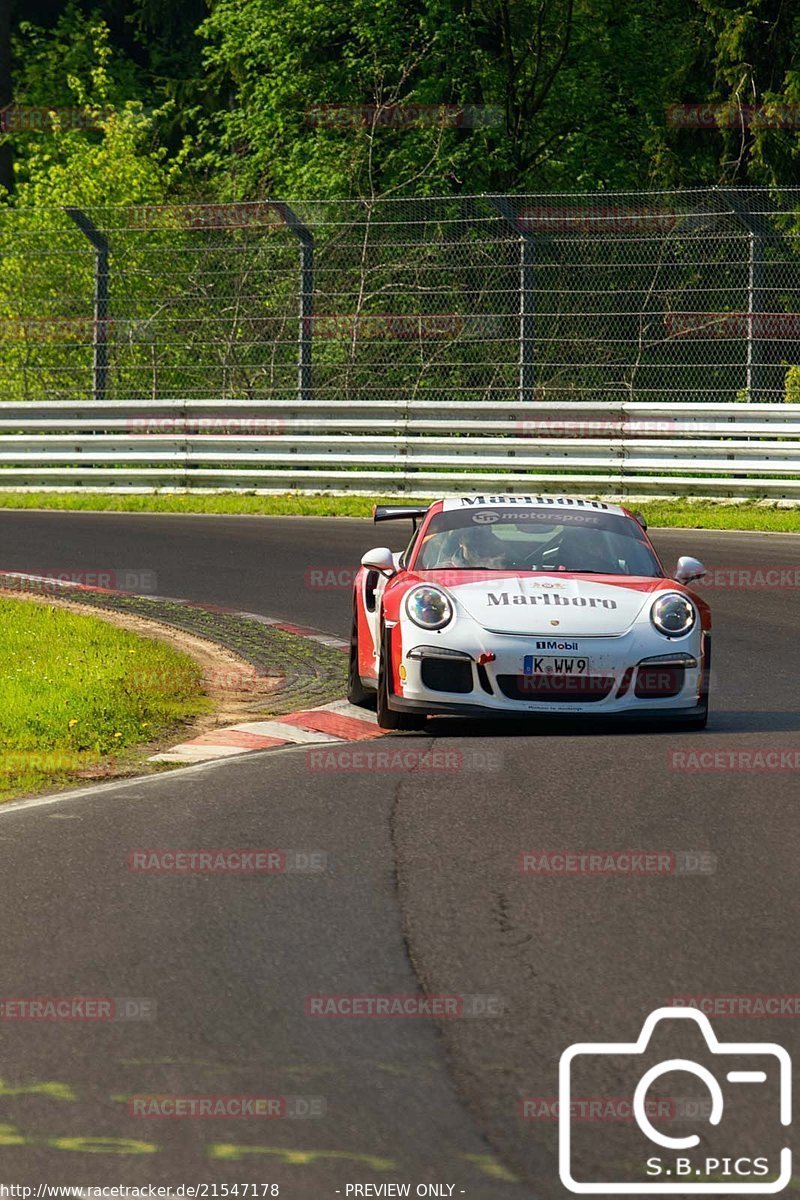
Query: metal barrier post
<point x="101" y="275"/>
<point x="306" y="240"/>
<point x="527" y="313"/>
<point x="760" y="232"/>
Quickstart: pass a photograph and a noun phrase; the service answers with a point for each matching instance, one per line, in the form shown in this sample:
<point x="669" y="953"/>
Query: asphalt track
<point x="423" y="892"/>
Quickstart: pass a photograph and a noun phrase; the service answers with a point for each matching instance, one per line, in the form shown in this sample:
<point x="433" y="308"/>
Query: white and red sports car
<point x="515" y="605"/>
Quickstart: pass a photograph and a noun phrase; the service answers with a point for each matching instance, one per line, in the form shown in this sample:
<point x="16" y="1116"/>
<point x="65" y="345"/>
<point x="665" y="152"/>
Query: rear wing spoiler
<point x="399" y="512"/>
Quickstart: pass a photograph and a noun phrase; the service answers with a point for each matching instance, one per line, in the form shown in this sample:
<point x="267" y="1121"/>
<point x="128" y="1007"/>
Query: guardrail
<point x="416" y="448"/>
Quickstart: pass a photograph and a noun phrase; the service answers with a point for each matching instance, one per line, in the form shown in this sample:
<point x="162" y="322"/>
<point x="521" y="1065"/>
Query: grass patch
<point x="76" y="690"/>
<point x="695" y="514"/>
<point x="222" y="503"/>
<point x="699" y="514"/>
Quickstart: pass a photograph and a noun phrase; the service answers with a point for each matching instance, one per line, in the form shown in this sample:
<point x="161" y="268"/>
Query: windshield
<point x="530" y="540"/>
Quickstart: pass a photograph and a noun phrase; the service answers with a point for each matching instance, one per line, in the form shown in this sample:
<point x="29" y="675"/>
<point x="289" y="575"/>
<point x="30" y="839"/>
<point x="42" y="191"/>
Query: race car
<point x="523" y="605"/>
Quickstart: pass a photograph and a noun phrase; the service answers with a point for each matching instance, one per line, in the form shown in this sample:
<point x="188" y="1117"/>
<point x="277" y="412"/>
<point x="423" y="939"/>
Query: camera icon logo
<point x="677" y="1170"/>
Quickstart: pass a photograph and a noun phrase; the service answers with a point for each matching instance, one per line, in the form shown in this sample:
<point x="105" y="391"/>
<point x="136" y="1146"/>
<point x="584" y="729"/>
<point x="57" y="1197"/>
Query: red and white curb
<point x="331" y="723"/>
<point x="337" y="722"/>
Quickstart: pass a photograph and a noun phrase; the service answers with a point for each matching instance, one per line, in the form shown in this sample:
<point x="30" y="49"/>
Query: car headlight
<point x="673" y="615"/>
<point x="429" y="608"/>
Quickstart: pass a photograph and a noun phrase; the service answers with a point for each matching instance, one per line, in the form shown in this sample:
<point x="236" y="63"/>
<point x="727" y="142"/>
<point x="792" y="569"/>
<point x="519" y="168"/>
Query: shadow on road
<point x="720" y="721"/>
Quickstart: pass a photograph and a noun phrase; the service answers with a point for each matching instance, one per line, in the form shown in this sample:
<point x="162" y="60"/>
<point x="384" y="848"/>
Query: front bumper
<point x="484" y="686"/>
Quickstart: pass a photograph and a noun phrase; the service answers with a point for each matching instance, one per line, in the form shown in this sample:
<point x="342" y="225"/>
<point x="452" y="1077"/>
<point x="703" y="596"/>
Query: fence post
<point x="527" y="312"/>
<point x="755" y="285"/>
<point x="101" y="273"/>
<point x="759" y="233"/>
<point x="306" y="240"/>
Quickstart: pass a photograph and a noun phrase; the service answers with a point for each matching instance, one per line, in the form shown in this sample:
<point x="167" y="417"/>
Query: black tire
<point x="356" y="692"/>
<point x="387" y="717"/>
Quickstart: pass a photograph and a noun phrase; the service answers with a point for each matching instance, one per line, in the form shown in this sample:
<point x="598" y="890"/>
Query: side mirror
<point x="689" y="569"/>
<point x="381" y="559"/>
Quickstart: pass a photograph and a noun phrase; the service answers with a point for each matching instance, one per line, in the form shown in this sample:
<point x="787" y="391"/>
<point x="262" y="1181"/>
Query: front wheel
<point x="387" y="717"/>
<point x="356" y="692"/>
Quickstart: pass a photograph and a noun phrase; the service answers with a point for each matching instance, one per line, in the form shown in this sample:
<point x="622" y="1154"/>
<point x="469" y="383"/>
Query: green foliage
<point x="117" y="165"/>
<point x="573" y="92"/>
<point x="114" y="157"/>
<point x="792" y="386"/>
<point x="222" y="103"/>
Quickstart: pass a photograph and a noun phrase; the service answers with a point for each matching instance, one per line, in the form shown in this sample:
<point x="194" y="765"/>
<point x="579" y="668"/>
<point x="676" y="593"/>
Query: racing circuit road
<point x="422" y="893"/>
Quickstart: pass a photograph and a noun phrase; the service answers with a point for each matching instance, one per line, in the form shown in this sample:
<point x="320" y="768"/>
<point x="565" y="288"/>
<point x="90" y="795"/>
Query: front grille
<point x="657" y="683"/>
<point x="447" y="674"/>
<point x="572" y="689"/>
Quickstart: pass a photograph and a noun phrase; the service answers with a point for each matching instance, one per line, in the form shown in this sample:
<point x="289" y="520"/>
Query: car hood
<point x="575" y="605"/>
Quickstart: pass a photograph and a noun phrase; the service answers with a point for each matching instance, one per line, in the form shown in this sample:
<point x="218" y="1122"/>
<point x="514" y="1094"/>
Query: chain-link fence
<point x="637" y="297"/>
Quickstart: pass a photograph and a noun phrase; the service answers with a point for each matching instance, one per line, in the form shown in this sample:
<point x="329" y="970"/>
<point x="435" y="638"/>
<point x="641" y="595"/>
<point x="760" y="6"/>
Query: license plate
<point x="534" y="664"/>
